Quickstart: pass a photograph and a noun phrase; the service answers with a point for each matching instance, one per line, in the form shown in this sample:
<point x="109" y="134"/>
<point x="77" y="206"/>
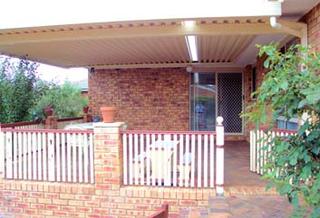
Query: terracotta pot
<point x="108" y="114"/>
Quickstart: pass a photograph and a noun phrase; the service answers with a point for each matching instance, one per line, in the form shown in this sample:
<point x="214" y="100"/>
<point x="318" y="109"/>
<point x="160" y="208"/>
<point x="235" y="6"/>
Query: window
<point x="291" y="124"/>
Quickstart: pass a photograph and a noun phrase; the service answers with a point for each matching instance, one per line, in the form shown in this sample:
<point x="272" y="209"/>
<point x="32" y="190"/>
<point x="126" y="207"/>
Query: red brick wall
<point x="313" y="20"/>
<point x="153" y="99"/>
<point x="247" y="77"/>
<point x="39" y="199"/>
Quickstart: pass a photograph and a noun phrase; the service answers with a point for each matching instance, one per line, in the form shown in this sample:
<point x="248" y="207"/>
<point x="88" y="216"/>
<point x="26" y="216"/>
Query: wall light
<point x="191" y="41"/>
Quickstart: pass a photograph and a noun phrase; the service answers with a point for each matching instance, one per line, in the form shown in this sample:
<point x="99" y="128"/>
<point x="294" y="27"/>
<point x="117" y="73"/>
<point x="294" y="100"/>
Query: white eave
<point x="96" y="11"/>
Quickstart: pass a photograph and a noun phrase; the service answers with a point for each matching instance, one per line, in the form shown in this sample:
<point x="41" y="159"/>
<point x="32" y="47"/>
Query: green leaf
<point x="302" y="103"/>
<point x="312" y="94"/>
<point x="285" y="189"/>
<point x="316" y="212"/>
<point x="306" y="172"/>
<point x="284" y="85"/>
<point x="295" y="199"/>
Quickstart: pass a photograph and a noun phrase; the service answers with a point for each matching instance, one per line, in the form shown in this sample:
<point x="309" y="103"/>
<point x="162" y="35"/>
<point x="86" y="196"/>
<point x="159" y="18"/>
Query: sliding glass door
<point x="216" y="94"/>
<point x="203" y="101"/>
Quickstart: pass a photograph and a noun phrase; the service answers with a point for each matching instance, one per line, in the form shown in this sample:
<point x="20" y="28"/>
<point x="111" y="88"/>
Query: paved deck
<point x="237" y="166"/>
<point x="242" y="207"/>
<point x="245" y="194"/>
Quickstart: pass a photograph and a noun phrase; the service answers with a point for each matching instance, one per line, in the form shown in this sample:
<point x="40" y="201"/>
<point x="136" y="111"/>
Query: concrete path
<point x="242" y="207"/>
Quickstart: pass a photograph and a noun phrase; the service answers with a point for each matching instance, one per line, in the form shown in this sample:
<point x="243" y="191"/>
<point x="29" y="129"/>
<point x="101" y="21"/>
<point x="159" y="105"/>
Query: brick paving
<point x="237" y="166"/>
<point x="245" y="193"/>
<point x="242" y="207"/>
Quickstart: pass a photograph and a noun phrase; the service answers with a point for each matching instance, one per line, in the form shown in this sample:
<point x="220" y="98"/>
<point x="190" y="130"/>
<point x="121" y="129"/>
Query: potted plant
<point x="108" y="114"/>
<point x="48" y="111"/>
<point x="85" y="109"/>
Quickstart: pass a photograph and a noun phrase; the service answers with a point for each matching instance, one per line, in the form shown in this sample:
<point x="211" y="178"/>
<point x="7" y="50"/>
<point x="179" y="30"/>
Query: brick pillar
<point x="51" y="122"/>
<point x="108" y="155"/>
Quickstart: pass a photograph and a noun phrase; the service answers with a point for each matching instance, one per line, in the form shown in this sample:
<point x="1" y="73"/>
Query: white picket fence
<point x="47" y="155"/>
<point x="260" y="147"/>
<point x="183" y="159"/>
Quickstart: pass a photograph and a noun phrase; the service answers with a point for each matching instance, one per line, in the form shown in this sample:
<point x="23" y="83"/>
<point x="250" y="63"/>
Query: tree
<point x="23" y="95"/>
<point x="292" y="88"/>
<point x="17" y="84"/>
<point x="66" y="101"/>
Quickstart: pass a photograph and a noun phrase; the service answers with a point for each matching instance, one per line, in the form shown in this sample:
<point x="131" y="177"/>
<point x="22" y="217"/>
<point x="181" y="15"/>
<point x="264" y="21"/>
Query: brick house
<point x="176" y="74"/>
<point x="146" y="70"/>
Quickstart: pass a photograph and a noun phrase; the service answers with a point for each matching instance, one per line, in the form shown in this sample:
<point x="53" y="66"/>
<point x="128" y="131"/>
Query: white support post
<point x="51" y="157"/>
<point x="125" y="159"/>
<point x="220" y="157"/>
<point x="2" y="149"/>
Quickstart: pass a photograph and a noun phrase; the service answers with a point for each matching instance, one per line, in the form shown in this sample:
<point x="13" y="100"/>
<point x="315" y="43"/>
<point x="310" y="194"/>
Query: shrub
<point x="66" y="101"/>
<point x="292" y="88"/>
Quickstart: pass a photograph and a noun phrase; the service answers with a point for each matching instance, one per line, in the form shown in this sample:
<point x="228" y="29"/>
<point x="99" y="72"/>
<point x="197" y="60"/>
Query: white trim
<point x="123" y="10"/>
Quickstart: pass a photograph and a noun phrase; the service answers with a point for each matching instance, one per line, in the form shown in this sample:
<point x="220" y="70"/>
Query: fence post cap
<point x="219" y="120"/>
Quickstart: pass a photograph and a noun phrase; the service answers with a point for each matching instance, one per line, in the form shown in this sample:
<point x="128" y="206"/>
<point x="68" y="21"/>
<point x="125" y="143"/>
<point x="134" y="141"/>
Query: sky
<point x="59" y="75"/>
<point x="17" y="14"/>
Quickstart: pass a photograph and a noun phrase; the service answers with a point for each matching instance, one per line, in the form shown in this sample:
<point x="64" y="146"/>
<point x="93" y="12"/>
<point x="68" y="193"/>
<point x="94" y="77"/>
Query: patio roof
<point x="221" y="41"/>
<point x="153" y="43"/>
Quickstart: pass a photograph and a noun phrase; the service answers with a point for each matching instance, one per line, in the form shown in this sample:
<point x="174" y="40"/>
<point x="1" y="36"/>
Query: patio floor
<point x="237" y="165"/>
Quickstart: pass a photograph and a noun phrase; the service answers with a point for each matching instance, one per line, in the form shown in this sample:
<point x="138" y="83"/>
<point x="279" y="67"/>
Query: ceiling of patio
<point x="65" y="46"/>
<point x="131" y="51"/>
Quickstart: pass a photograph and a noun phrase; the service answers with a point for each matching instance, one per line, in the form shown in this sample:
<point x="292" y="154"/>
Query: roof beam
<point x="290" y="27"/>
<point x="138" y="31"/>
<point x="167" y="65"/>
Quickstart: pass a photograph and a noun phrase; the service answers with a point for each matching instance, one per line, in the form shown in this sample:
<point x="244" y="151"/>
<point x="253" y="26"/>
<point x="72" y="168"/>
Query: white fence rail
<point x="183" y="159"/>
<point x="31" y="126"/>
<point x="47" y="155"/>
<point x="260" y="147"/>
<point x="23" y="125"/>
